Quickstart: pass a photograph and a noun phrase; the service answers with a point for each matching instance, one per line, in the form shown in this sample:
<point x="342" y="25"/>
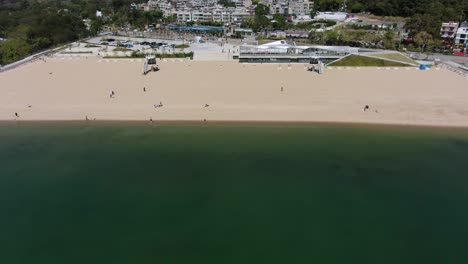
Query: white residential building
<point x="462" y="34"/>
<point x="202" y="16"/>
<point x="246" y="3"/>
<point x="239" y="16"/>
<point x="221" y="15"/>
<point x="336" y="16"/>
<point x="183" y="16"/>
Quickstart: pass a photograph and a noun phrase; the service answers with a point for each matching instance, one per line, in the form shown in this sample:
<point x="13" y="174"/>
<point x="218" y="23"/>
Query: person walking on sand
<point x="282" y="88"/>
<point x="16" y="114"/>
<point x="144" y="89"/>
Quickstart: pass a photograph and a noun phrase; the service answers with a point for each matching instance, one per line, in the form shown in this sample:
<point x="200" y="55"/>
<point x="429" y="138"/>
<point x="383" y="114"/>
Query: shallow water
<point x="141" y="193"/>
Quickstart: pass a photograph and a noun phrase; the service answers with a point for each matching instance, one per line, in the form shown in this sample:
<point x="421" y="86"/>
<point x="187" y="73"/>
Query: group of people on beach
<point x="112" y="95"/>
<point x="367" y="108"/>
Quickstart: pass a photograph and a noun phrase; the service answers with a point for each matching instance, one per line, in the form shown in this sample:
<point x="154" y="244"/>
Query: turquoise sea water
<point x="142" y="193"/>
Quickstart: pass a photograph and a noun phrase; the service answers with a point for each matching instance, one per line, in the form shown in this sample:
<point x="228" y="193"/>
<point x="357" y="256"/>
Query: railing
<point x="289" y="55"/>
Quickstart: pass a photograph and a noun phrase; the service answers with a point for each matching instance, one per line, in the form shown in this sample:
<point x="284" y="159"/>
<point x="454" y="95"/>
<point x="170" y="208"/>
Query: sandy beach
<point x="71" y="89"/>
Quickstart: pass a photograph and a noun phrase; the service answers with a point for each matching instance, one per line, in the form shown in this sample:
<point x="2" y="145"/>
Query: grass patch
<point x="176" y="55"/>
<point x="361" y="61"/>
<point x="160" y="56"/>
<point x="182" y="46"/>
<point x="394" y="56"/>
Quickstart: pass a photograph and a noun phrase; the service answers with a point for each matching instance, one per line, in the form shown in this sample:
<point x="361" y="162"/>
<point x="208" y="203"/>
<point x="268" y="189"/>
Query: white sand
<point x="234" y="91"/>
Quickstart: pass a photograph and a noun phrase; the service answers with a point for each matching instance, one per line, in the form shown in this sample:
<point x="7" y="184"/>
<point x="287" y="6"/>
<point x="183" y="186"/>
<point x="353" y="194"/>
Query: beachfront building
<point x="449" y="30"/>
<point x="462" y="34"/>
<point x="283" y="51"/>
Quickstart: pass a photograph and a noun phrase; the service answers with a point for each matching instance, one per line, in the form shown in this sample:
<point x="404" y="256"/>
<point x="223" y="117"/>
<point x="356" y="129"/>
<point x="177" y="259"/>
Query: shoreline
<point x="236" y="123"/>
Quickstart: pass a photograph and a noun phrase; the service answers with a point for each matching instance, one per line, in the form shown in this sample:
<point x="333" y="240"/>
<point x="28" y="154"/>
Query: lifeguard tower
<point x="150" y="64"/>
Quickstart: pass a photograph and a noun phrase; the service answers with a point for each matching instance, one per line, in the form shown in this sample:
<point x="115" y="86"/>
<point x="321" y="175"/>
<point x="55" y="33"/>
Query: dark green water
<point x="137" y="193"/>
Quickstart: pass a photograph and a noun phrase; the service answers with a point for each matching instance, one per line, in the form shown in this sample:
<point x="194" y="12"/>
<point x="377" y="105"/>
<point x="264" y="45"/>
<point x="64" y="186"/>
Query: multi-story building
<point x="462" y="34"/>
<point x="221" y="15"/>
<point x="290" y="7"/>
<point x="183" y="16"/>
<point x="246" y="3"/>
<point x="205" y="10"/>
<point x="239" y="16"/>
<point x="300" y="7"/>
<point x="202" y="16"/>
<point x="449" y="29"/>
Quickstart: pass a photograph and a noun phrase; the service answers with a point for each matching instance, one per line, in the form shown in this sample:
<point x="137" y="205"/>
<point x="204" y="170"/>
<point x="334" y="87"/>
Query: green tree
<point x="426" y="23"/>
<point x="332" y="37"/>
<point x="227" y="3"/>
<point x="96" y="26"/>
<point x="13" y="50"/>
<point x="316" y="37"/>
<point x="327" y="5"/>
<point x="389" y="39"/>
<point x="423" y="39"/>
<point x="280" y="21"/>
<point x="261" y="10"/>
<point x="260" y="20"/>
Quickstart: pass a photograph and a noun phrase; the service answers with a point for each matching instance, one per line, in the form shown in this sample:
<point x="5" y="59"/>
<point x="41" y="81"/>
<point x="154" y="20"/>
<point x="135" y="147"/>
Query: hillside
<point x="447" y="9"/>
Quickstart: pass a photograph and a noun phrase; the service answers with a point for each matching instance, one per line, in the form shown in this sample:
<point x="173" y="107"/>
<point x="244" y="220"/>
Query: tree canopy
<point x="32" y="25"/>
<point x="443" y="9"/>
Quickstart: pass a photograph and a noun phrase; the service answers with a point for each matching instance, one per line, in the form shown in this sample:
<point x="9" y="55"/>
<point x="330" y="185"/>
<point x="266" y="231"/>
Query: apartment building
<point x="300" y="7"/>
<point x="221" y="15"/>
<point x="449" y="29"/>
<point x="183" y="16"/>
<point x="202" y="16"/>
<point x="462" y="34"/>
